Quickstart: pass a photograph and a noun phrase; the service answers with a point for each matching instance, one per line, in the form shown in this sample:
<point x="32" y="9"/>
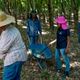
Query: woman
<point x="33" y="27"/>
<point x="63" y="44"/>
<point x="12" y="48"/>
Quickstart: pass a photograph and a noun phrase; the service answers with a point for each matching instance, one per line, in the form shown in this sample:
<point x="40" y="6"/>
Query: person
<point x="33" y="27"/>
<point x="62" y="44"/>
<point x="12" y="48"/>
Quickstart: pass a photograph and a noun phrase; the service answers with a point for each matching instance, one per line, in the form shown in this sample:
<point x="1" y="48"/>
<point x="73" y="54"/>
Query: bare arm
<point x="68" y="44"/>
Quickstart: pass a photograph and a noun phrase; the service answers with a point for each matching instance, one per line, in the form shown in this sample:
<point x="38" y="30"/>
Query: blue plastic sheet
<point x="41" y="49"/>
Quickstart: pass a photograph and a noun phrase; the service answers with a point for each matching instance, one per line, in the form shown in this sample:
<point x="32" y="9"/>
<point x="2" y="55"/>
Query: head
<point x="5" y="20"/>
<point x="33" y="14"/>
<point x="62" y="22"/>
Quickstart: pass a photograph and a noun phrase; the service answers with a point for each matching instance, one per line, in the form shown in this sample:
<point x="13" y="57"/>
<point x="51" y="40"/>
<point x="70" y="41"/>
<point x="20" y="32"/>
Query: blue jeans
<point x="33" y="39"/>
<point x="61" y="52"/>
<point x="13" y="71"/>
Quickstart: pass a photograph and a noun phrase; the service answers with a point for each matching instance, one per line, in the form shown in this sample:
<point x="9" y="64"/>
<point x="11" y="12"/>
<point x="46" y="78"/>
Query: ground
<point x="31" y="70"/>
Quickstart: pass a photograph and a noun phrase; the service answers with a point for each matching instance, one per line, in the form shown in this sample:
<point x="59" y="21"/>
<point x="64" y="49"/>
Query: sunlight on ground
<point x="45" y="32"/>
<point x="72" y="30"/>
<point x="19" y="21"/>
<point x="73" y="64"/>
<point x="24" y="27"/>
<point x="72" y="55"/>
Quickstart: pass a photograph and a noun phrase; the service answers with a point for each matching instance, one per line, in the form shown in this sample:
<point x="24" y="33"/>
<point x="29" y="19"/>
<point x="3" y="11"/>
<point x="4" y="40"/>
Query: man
<point x="12" y="48"/>
<point x="33" y="27"/>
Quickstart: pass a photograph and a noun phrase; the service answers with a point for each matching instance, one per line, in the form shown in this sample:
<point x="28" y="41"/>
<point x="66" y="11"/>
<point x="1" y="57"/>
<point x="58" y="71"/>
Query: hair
<point x="33" y="12"/>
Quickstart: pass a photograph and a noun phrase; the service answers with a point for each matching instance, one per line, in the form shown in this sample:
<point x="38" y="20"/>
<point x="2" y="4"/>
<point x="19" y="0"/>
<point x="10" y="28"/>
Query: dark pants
<point x="33" y="39"/>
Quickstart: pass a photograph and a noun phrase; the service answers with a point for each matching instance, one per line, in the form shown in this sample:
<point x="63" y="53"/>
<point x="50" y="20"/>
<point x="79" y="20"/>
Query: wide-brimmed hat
<point x="62" y="20"/>
<point x="6" y="19"/>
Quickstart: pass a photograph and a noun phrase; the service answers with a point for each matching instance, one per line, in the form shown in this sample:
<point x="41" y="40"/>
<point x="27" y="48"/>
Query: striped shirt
<point x="12" y="47"/>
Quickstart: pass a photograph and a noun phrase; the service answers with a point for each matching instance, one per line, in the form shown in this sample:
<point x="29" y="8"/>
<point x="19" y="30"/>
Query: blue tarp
<point x="41" y="49"/>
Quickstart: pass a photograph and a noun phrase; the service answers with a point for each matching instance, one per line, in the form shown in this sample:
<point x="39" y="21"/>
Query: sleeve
<point x="68" y="32"/>
<point x="28" y="29"/>
<point x="6" y="42"/>
<point x="39" y="27"/>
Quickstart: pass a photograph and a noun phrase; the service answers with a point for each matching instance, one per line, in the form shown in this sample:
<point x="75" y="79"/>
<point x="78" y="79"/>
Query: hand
<point x="67" y="50"/>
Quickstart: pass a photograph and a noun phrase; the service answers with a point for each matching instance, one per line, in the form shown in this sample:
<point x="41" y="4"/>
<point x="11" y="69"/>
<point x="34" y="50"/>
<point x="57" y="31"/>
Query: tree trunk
<point x="7" y="6"/>
<point x="15" y="11"/>
<point x="75" y="11"/>
<point x="50" y="13"/>
<point x="63" y="8"/>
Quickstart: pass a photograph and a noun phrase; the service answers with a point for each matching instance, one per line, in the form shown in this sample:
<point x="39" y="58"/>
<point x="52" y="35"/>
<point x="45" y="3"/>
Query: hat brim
<point x="60" y="22"/>
<point x="8" y="20"/>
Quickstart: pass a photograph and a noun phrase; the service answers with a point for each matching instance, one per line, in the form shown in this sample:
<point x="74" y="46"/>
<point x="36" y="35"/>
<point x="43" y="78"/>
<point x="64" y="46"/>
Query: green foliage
<point x="45" y="75"/>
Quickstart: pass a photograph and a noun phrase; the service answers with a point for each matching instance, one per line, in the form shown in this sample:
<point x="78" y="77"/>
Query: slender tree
<point x="49" y="3"/>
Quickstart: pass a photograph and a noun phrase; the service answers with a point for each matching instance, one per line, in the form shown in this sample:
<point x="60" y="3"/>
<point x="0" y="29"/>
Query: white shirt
<point x="12" y="47"/>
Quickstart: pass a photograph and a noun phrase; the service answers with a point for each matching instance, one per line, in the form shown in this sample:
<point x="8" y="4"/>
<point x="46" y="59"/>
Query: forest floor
<point x="31" y="70"/>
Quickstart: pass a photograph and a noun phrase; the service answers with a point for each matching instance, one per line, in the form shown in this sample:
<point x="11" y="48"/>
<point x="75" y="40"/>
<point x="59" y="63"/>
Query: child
<point x="63" y="44"/>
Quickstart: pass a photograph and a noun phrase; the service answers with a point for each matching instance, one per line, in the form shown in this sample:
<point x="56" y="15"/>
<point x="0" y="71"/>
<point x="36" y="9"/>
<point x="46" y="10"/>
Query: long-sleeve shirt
<point x="12" y="47"/>
<point x="33" y="27"/>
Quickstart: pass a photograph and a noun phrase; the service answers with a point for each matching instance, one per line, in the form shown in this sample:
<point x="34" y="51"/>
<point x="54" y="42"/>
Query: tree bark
<point x="50" y="13"/>
<point x="75" y="11"/>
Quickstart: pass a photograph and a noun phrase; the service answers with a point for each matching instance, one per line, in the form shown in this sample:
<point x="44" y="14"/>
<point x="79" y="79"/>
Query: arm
<point x="39" y="27"/>
<point x="68" y="42"/>
<point x="68" y="45"/>
<point x="6" y="42"/>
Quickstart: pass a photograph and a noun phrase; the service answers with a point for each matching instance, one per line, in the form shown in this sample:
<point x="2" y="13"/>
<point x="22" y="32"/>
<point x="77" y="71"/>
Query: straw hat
<point x="6" y="19"/>
<point x="61" y="20"/>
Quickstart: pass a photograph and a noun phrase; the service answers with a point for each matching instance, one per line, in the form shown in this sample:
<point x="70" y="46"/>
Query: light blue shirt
<point x="33" y="27"/>
<point x="12" y="47"/>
